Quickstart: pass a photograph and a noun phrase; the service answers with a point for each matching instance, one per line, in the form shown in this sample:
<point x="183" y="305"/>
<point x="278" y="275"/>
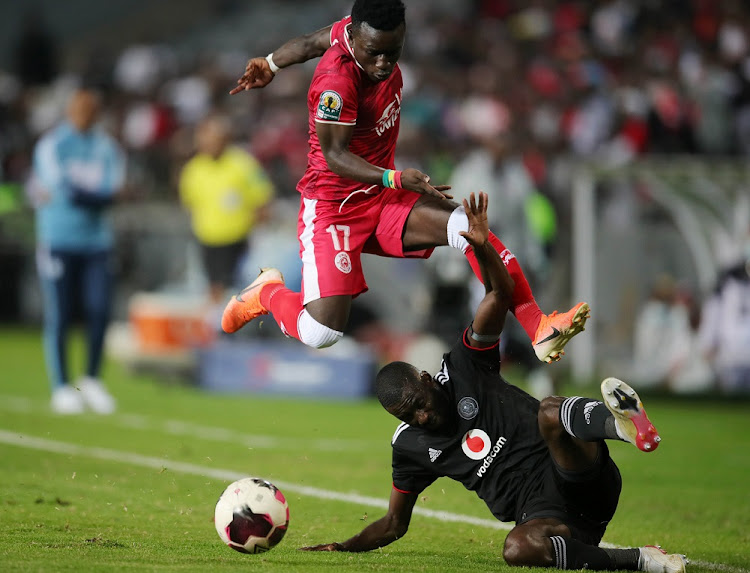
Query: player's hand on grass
<point x="257" y="74"/>
<point x="415" y="180"/>
<point x="324" y="547"/>
<point x="476" y="211"/>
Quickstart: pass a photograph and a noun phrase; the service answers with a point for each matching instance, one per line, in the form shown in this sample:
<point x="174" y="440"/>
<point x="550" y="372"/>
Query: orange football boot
<point x="555" y="331"/>
<point x="245" y="306"/>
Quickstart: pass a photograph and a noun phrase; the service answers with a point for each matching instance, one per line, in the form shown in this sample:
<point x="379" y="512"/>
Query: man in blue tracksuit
<point x="78" y="170"/>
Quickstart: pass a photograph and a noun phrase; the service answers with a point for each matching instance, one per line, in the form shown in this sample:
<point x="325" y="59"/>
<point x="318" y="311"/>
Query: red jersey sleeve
<point x="335" y="94"/>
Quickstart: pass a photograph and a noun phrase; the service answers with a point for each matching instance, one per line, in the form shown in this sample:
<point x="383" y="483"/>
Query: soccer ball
<point x="251" y="515"/>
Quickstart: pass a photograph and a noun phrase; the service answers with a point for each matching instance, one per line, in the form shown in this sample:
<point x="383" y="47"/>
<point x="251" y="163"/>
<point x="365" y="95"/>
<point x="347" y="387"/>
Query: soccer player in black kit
<point x="544" y="465"/>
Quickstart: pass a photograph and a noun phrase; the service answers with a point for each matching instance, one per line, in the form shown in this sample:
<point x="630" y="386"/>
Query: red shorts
<point x="334" y="234"/>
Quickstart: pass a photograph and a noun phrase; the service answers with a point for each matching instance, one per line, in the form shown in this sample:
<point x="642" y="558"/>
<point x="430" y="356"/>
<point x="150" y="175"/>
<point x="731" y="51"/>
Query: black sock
<point x="574" y="554"/>
<point x="624" y="558"/>
<point x="587" y="419"/>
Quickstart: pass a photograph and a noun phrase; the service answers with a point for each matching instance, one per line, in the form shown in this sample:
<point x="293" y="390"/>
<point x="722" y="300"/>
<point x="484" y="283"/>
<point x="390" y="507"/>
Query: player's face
<point x="83" y="109"/>
<point x="377" y="51"/>
<point x="426" y="405"/>
<point x="212" y="137"/>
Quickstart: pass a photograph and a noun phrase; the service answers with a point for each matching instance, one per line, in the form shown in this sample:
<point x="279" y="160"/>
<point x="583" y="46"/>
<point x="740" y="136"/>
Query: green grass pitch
<point x="135" y="491"/>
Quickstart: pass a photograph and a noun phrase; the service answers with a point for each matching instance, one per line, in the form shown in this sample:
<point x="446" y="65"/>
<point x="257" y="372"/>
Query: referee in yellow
<point x="227" y="192"/>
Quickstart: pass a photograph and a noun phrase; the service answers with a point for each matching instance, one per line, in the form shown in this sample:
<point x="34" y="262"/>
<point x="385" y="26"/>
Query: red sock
<point x="285" y="305"/>
<point x="524" y="307"/>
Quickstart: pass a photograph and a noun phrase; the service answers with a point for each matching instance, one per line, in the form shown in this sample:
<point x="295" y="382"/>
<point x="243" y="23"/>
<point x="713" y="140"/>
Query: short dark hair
<point x="391" y="381"/>
<point x="384" y="15"/>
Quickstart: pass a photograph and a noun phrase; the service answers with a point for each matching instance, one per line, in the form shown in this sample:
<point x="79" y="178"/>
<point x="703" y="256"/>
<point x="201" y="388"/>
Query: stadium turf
<point x="136" y="490"/>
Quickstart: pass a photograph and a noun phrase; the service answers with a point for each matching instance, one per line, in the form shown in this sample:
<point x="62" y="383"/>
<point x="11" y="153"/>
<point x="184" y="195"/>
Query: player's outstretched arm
<point x="258" y="72"/>
<point x="489" y="318"/>
<point x="392" y="526"/>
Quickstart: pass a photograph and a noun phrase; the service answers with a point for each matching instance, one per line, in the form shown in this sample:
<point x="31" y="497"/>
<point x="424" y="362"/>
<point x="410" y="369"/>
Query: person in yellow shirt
<point x="227" y="193"/>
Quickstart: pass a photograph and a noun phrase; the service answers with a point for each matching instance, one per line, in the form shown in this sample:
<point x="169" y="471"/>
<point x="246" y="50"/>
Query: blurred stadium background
<point x="619" y="132"/>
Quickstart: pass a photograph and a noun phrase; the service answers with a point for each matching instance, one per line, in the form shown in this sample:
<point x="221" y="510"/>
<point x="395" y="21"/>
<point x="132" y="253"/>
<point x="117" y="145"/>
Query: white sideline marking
<point x="211" y="433"/>
<point x="43" y="444"/>
<point x="34" y="443"/>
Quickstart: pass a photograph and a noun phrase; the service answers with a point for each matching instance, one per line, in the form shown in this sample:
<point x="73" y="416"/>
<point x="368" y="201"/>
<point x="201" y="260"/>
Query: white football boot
<point x="631" y="421"/>
<point x="654" y="559"/>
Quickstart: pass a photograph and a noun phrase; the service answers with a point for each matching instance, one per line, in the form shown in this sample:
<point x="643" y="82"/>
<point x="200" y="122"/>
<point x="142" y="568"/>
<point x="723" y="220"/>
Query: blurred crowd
<point x="616" y="78"/>
<point x="515" y="88"/>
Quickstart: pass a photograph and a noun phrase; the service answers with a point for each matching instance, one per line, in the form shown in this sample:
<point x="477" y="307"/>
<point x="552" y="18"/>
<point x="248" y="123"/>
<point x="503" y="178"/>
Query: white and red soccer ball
<point x="251" y="515"/>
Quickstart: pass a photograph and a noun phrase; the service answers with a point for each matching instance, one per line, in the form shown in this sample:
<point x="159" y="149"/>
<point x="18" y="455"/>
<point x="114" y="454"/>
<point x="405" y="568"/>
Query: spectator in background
<point x="666" y="350"/>
<point x="725" y="329"/>
<point x="77" y="172"/>
<point x="227" y="193"/>
<point x="658" y="325"/>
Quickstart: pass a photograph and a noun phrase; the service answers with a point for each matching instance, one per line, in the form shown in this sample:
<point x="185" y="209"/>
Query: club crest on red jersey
<point x="329" y="106"/>
<point x="343" y="262"/>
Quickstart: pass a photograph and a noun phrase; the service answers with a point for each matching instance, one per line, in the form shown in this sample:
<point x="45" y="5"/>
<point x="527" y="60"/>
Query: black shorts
<point x="585" y="502"/>
<point x="221" y="262"/>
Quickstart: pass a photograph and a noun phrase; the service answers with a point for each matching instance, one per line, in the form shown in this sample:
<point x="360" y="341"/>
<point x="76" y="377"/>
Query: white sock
<point x="458" y="221"/>
<point x="314" y="334"/>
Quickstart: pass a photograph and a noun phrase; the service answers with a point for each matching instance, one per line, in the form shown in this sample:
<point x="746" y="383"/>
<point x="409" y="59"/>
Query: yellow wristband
<point x="389" y="178"/>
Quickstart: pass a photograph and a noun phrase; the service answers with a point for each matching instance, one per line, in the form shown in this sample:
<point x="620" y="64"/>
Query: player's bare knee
<point x="513" y="551"/>
<point x="427" y="222"/>
<point x="523" y="550"/>
<point x="549" y="415"/>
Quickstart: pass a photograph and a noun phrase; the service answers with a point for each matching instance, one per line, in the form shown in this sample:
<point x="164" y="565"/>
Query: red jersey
<point x="340" y="92"/>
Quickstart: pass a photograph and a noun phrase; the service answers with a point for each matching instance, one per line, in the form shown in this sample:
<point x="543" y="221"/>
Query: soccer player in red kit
<point x="353" y="199"/>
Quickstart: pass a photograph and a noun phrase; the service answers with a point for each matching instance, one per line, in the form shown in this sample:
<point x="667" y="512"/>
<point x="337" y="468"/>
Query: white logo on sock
<point x="587" y="410"/>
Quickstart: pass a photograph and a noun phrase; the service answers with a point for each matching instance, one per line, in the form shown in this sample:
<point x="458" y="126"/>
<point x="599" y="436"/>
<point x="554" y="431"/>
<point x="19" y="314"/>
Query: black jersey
<point x="497" y="450"/>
